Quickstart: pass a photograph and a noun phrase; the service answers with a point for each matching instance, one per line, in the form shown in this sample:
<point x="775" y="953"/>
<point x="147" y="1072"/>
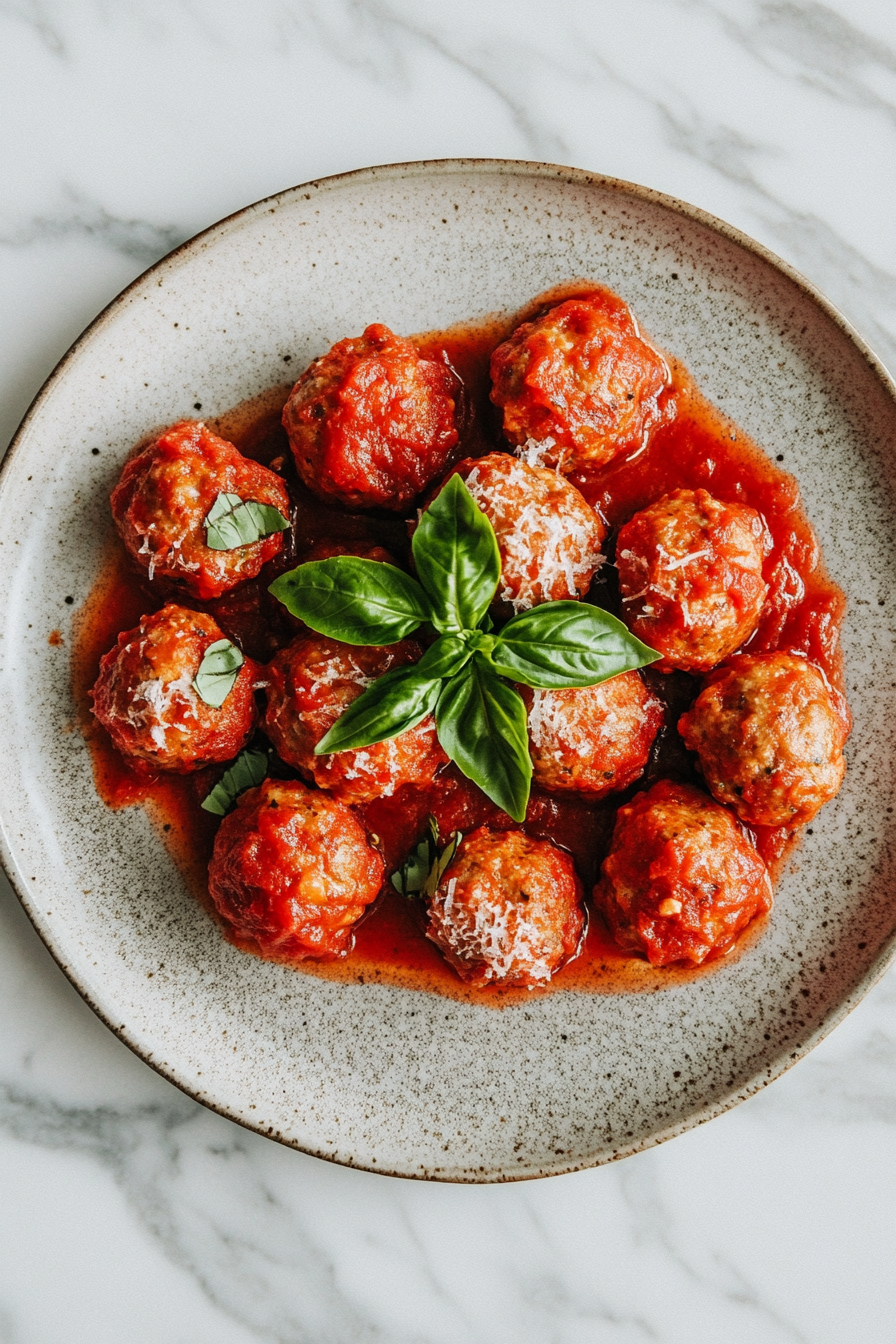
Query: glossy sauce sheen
<point x="698" y="448"/>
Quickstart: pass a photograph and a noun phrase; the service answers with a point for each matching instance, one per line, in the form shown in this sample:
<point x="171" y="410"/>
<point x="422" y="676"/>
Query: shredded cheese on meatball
<point x="493" y="937"/>
<point x="564" y="545"/>
<point x="158" y="698"/>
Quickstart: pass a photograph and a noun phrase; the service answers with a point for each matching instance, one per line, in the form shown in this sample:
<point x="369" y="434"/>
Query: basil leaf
<point x="567" y="644"/>
<point x="410" y="878"/>
<point x="249" y="769"/>
<point x="218" y="670"/>
<point x="394" y="703"/>
<point x="356" y="601"/>
<point x="233" y="522"/>
<point x="444" y="658"/>
<point x="481" y="723"/>
<point x="437" y="871"/>
<point x="457" y="558"/>
<point x="424" y="867"/>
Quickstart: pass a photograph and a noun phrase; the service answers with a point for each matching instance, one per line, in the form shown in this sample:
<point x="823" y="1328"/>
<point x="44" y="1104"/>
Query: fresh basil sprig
<point x="217" y="672"/>
<point x="249" y="769"/>
<point x="424" y="867"/>
<point x="233" y="521"/>
<point x="480" y="718"/>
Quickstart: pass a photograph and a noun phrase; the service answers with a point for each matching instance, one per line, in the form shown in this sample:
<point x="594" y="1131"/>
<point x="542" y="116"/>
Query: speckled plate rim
<point x="780" y="1062"/>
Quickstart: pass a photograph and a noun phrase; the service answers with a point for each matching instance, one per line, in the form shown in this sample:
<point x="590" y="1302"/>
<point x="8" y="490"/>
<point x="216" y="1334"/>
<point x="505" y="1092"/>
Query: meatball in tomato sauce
<point x="681" y="880"/>
<point x="770" y="738"/>
<point x="292" y="871"/>
<point x="690" y="574"/>
<point x="372" y="422"/>
<point x="309" y="686"/>
<point x="146" y="699"/>
<point x="592" y="739"/>
<point x="581" y="382"/>
<point x="161" y="503"/>
<point x="548" y="534"/>
<point x="507" y="910"/>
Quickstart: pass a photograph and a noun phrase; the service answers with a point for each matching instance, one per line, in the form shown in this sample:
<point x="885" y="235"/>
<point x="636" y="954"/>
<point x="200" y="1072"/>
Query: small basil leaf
<point x="422" y="870"/>
<point x="410" y="878"/>
<point x="444" y="658"/>
<point x="249" y="769"/>
<point x="457" y="558"/>
<point x="233" y="522"/>
<point x="481" y="723"/>
<point x="356" y="601"/>
<point x="394" y="703"/>
<point x="567" y="644"/>
<point x="218" y="670"/>
<point x="437" y="871"/>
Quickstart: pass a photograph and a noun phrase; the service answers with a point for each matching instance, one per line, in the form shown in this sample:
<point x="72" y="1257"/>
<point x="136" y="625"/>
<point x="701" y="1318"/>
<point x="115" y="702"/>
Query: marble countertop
<point x="128" y="1212"/>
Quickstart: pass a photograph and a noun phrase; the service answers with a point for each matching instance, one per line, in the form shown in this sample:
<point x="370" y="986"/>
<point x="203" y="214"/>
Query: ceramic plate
<point x="374" y="1076"/>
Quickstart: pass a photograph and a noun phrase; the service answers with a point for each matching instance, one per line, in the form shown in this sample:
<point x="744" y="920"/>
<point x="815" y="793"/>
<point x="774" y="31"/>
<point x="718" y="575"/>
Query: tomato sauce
<point x="698" y="447"/>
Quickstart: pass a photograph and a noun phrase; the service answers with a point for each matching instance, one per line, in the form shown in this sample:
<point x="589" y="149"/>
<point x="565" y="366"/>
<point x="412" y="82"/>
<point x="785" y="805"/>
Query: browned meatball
<point x="769" y="737"/>
<point x="548" y="534"/>
<point x="681" y="880"/>
<point x="146" y="700"/>
<point x="292" y="872"/>
<point x="594" y="739"/>
<point x="580" y="382"/>
<point x="690" y="573"/>
<point x="507" y="910"/>
<point x="165" y="494"/>
<point x="310" y="684"/>
<point x="372" y="422"/>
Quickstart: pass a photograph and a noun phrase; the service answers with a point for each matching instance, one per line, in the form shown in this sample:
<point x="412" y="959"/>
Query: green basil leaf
<point x="422" y="870"/>
<point x="567" y="644"/>
<point x="249" y="769"/>
<point x="394" y="703"/>
<point x="444" y="658"/>
<point x="218" y="670"/>
<point x="443" y="861"/>
<point x="233" y="522"/>
<point x="457" y="558"/>
<point x="481" y="723"/>
<point x="410" y="878"/>
<point x="356" y="601"/>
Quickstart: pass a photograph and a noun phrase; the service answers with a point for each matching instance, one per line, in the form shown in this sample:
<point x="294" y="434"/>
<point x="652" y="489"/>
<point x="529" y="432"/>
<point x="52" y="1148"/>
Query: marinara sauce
<point x="697" y="448"/>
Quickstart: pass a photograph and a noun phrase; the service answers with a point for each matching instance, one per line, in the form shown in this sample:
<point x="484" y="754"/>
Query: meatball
<point x="548" y="534"/>
<point x="690" y="574"/>
<point x="581" y="382"/>
<point x="507" y="910"/>
<point x="372" y="422"/>
<point x="165" y="493"/>
<point x="292" y="871"/>
<point x="681" y="880"/>
<point x="145" y="698"/>
<point x="592" y="739"/>
<point x="769" y="737"/>
<point x="309" y="685"/>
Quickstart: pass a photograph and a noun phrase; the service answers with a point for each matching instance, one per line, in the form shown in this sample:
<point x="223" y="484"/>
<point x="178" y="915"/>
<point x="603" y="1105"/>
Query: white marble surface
<point x="128" y="1213"/>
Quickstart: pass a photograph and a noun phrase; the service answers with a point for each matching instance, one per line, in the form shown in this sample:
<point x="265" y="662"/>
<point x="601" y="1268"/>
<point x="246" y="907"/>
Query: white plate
<point x="375" y="1076"/>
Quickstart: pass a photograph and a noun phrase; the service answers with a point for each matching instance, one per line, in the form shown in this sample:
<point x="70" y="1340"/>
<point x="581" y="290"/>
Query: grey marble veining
<point x="127" y="1211"/>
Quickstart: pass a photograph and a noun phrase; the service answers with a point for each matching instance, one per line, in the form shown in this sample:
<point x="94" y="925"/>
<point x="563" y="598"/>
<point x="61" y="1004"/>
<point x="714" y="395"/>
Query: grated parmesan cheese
<point x="562" y="549"/>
